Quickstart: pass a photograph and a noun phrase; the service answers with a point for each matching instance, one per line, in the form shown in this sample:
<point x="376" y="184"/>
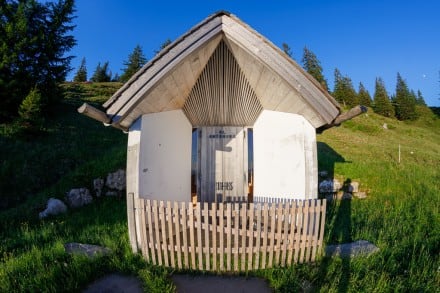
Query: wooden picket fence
<point x="229" y="236"/>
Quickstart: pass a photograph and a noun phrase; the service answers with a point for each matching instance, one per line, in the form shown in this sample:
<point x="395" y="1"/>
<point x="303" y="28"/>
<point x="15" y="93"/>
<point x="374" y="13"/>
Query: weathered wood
<point x="93" y="113"/>
<point x="244" y="232"/>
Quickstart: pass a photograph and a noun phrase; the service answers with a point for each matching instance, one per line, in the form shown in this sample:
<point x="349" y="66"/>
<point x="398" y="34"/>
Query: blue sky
<point x="363" y="39"/>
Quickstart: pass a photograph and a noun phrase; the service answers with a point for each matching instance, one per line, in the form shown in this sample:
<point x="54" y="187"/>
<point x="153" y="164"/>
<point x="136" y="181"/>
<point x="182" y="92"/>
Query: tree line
<point x="35" y="39"/>
<point x="401" y="105"/>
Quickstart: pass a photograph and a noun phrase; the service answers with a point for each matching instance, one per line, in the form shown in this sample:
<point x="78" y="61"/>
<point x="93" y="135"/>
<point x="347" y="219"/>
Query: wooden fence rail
<point x="229" y="236"/>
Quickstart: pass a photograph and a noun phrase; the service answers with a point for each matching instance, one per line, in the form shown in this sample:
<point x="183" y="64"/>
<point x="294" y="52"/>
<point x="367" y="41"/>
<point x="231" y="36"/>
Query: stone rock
<point x="360" y="195"/>
<point x="112" y="193"/>
<point x="116" y="180"/>
<point x="98" y="184"/>
<point x="328" y="186"/>
<point x="323" y="173"/>
<point x="78" y="197"/>
<point x="353" y="187"/>
<point x="54" y="207"/>
<point x="353" y="249"/>
<point x="385" y="126"/>
<point x="88" y="250"/>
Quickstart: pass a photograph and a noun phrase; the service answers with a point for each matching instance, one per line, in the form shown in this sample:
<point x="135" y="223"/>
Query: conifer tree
<point x="34" y="42"/>
<point x="419" y="99"/>
<point x="135" y="61"/>
<point x="163" y="46"/>
<point x="404" y="102"/>
<point x="312" y="65"/>
<point x="102" y="73"/>
<point x="364" y="96"/>
<point x="382" y="104"/>
<point x="30" y="110"/>
<point x="344" y="91"/>
<point x="81" y="74"/>
<point x="287" y="50"/>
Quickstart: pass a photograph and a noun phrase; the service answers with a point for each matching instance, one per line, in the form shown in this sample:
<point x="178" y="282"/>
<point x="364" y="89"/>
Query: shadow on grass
<point x="338" y="224"/>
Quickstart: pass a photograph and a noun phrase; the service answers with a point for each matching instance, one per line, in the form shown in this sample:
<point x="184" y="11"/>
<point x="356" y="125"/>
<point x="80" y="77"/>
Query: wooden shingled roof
<point x="221" y="72"/>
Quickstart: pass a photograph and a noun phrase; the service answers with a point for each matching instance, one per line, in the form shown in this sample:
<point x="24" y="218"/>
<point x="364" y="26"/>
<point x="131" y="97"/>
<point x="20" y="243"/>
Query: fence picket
<point x="230" y="236"/>
<point x="177" y="224"/>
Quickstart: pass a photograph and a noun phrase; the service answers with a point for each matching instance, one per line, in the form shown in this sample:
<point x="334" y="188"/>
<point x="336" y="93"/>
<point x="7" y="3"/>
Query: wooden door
<point x="222" y="163"/>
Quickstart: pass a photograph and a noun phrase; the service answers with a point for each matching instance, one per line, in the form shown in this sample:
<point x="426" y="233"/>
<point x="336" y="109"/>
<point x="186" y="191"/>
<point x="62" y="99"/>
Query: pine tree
<point x="34" y="42"/>
<point x="382" y="104"/>
<point x="81" y="74"/>
<point x="364" y="96"/>
<point x="404" y="102"/>
<point x="135" y="61"/>
<point x="344" y="91"/>
<point x="419" y="99"/>
<point x="287" y="50"/>
<point x="163" y="46"/>
<point x="30" y="110"/>
<point x="101" y="73"/>
<point x="312" y="65"/>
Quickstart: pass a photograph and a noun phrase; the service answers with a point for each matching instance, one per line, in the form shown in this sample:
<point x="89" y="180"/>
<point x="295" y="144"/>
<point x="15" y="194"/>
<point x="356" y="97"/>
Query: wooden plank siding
<point x="224" y="237"/>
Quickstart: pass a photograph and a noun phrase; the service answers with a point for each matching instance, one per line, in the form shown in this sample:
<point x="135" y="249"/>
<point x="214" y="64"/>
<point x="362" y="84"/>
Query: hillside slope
<point x="400" y="214"/>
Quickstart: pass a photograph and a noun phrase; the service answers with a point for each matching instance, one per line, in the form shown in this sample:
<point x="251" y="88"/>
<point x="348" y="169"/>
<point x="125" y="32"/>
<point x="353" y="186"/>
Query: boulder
<point x="116" y="180"/>
<point x="329" y="186"/>
<point x="88" y="250"/>
<point x="54" y="207"/>
<point x="78" y="197"/>
<point x="98" y="185"/>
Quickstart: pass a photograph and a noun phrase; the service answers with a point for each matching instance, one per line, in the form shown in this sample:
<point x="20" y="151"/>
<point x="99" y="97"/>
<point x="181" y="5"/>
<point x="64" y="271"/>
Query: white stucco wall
<point x="165" y="156"/>
<point x="285" y="161"/>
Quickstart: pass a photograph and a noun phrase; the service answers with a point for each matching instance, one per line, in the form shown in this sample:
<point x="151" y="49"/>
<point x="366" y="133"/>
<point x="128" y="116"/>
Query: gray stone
<point x="115" y="283"/>
<point x="328" y="186"/>
<point x="323" y="173"/>
<point x="360" y="195"/>
<point x="353" y="249"/>
<point x="78" y="197"/>
<point x="116" y="180"/>
<point x="54" y="207"/>
<point x="354" y="185"/>
<point x="98" y="184"/>
<point x="88" y="250"/>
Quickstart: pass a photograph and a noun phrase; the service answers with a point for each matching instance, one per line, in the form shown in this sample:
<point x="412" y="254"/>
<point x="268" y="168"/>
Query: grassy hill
<point x="400" y="214"/>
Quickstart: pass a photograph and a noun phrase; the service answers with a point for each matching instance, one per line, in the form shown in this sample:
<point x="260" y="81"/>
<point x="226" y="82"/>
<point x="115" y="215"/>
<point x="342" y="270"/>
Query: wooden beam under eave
<point x="94" y="113"/>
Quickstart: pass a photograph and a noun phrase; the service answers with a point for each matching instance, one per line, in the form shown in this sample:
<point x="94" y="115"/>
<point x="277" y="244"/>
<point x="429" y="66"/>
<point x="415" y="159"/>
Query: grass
<point x="400" y="214"/>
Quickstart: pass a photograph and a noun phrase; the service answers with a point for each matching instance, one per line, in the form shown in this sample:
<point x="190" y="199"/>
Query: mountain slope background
<point x="400" y="214"/>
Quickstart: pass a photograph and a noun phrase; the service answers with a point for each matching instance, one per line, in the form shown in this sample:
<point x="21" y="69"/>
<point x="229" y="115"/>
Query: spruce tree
<point x="163" y="46"/>
<point x="364" y="96"/>
<point x="34" y="42"/>
<point x="344" y="91"/>
<point x="287" y="50"/>
<point x="419" y="99"/>
<point x="81" y="74"/>
<point x="382" y="104"/>
<point x="30" y="110"/>
<point x="101" y="73"/>
<point x="312" y="65"/>
<point x="135" y="61"/>
<point x="404" y="102"/>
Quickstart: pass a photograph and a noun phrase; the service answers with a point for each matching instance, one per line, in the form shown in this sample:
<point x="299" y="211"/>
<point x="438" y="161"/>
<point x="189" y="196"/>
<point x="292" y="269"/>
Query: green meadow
<point x="401" y="214"/>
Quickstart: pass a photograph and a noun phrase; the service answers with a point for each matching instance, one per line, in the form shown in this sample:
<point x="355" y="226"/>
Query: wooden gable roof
<point x="221" y="72"/>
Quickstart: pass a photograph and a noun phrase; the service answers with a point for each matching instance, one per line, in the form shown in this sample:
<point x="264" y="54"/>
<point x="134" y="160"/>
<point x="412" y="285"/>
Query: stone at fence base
<point x="98" y="184"/>
<point x="360" y="195"/>
<point x="116" y="180"/>
<point x="78" y="197"/>
<point x="54" y="207"/>
<point x="88" y="250"/>
<point x="353" y="249"/>
<point x="112" y="193"/>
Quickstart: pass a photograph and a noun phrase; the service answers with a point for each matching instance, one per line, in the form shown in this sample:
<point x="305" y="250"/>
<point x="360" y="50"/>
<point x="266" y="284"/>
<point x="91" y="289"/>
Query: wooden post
<point x="131" y="220"/>
<point x="94" y="113"/>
